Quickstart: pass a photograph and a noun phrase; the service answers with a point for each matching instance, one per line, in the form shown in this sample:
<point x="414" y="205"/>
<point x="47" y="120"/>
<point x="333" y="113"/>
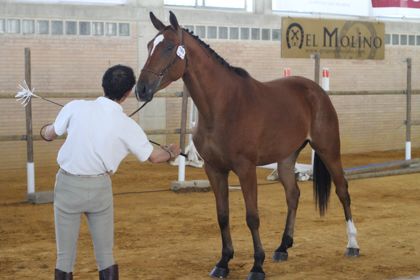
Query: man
<point x="99" y="137"/>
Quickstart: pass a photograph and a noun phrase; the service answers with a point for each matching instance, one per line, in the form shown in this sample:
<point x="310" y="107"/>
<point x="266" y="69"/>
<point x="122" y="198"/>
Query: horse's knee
<point x="253" y="220"/>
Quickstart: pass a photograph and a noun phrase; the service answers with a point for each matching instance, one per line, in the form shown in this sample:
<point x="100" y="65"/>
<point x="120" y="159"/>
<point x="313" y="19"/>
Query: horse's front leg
<point x="219" y="183"/>
<point x="248" y="179"/>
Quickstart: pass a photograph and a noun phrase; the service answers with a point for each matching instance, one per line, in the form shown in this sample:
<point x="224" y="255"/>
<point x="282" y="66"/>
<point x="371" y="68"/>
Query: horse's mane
<point x="239" y="71"/>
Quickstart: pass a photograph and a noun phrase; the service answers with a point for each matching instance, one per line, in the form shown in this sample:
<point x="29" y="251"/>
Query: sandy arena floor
<point x="163" y="235"/>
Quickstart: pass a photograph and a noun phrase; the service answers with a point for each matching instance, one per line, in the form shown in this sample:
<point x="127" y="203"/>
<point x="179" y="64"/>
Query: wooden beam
<point x="401" y="171"/>
<point x="36" y="137"/>
<point x="380" y="166"/>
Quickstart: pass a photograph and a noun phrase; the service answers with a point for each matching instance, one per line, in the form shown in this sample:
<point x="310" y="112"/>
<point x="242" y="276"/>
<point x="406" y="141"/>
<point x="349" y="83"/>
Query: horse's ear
<point x="173" y="20"/>
<point x="156" y="23"/>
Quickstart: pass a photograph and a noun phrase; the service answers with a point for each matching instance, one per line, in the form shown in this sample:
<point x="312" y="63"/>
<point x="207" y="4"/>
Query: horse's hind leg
<point x="286" y="172"/>
<point x="219" y="182"/>
<point x="329" y="153"/>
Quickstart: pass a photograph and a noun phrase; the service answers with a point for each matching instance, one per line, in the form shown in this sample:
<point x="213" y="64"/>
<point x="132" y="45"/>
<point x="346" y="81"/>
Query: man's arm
<point x="47" y="132"/>
<point x="50" y="131"/>
<point x="164" y="153"/>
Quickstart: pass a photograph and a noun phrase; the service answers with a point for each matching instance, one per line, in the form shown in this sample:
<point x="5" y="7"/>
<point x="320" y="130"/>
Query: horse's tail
<point x="322" y="184"/>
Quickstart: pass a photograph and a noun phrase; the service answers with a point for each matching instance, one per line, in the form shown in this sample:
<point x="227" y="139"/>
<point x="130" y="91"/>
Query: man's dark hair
<point x="117" y="80"/>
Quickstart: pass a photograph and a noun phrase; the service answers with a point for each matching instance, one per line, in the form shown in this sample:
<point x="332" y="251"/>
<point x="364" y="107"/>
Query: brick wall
<point x="63" y="64"/>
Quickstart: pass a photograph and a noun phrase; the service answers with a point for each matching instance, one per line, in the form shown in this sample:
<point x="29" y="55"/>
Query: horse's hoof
<point x="280" y="256"/>
<point x="219" y="272"/>
<point x="256" y="276"/>
<point x="352" y="252"/>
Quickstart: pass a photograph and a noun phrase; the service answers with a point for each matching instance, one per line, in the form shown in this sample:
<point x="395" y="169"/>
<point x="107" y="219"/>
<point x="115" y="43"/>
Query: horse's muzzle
<point x="143" y="92"/>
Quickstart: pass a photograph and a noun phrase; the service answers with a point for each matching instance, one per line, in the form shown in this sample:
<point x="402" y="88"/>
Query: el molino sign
<point x="340" y="39"/>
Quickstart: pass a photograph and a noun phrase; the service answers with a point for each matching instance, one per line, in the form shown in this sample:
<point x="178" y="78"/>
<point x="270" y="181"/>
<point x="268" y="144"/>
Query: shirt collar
<point x="109" y="103"/>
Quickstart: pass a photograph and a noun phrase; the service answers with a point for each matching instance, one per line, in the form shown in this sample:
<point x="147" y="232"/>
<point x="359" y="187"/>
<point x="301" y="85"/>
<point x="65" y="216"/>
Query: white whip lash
<point x="24" y="95"/>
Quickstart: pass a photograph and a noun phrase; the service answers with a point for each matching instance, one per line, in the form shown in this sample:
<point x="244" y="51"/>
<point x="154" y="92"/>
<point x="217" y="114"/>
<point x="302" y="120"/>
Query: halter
<point x="162" y="73"/>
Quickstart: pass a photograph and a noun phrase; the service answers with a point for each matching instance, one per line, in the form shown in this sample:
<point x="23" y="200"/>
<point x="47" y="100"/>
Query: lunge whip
<point x="24" y="96"/>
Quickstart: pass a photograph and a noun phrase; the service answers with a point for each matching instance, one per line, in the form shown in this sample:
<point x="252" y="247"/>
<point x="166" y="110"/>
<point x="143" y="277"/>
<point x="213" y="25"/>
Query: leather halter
<point x="162" y="73"/>
<point x="165" y="70"/>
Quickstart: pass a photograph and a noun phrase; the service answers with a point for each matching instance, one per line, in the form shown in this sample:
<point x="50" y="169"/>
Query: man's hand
<point x="165" y="153"/>
<point x="173" y="150"/>
<point x="47" y="132"/>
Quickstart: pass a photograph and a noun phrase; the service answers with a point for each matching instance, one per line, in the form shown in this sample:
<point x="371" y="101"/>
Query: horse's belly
<point x="280" y="147"/>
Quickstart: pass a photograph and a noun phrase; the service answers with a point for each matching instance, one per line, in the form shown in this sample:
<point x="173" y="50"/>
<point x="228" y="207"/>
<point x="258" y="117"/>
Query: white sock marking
<point x="351" y="234"/>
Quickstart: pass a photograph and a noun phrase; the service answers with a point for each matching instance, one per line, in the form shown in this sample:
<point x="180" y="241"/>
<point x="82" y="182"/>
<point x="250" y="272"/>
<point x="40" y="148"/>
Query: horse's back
<point x="305" y="90"/>
<point x="295" y="85"/>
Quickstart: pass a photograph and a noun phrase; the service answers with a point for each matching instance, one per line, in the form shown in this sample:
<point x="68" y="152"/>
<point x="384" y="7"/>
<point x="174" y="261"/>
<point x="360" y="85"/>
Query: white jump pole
<point x="181" y="169"/>
<point x="407" y="150"/>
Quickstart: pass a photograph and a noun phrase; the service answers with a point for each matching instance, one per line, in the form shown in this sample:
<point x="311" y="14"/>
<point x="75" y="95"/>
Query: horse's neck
<point x="203" y="79"/>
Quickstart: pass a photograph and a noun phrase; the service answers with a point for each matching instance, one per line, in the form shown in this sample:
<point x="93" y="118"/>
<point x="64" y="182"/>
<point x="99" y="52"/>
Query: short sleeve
<point x="136" y="140"/>
<point x="62" y="121"/>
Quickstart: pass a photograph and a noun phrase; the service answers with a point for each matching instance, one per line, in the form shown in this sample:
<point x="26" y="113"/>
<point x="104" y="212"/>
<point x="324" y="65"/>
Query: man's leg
<point x="101" y="225"/>
<point x="67" y="227"/>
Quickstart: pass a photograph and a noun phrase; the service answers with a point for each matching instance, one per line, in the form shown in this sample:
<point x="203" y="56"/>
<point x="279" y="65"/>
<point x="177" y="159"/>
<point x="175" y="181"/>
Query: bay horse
<point x="244" y="123"/>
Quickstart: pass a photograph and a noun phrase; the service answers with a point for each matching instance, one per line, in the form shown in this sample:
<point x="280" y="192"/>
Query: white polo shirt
<point x="99" y="136"/>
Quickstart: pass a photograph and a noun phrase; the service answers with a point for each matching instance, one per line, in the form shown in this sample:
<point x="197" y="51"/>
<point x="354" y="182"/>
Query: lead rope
<point x="141" y="107"/>
<point x="153" y="142"/>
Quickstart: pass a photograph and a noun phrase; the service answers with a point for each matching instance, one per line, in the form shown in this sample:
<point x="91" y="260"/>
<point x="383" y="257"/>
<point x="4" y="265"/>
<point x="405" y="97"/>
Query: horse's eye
<point x="170" y="47"/>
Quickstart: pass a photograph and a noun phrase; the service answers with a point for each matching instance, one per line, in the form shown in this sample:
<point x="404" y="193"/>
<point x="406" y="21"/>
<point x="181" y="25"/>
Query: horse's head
<point x="166" y="61"/>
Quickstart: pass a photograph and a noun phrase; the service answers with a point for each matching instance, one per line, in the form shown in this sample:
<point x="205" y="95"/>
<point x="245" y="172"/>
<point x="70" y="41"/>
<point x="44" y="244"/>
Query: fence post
<point x="317" y="58"/>
<point x="30" y="167"/>
<point x="408" y="113"/>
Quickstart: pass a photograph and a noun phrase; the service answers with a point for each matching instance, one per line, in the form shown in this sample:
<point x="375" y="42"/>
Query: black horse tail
<point x="322" y="184"/>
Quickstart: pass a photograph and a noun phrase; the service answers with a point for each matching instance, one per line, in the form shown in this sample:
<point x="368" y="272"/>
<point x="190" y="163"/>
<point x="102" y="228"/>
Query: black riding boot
<point x="61" y="275"/>
<point x="109" y="273"/>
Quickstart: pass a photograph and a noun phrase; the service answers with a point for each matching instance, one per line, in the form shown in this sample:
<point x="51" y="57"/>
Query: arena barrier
<point x="406" y="166"/>
<point x="373" y="170"/>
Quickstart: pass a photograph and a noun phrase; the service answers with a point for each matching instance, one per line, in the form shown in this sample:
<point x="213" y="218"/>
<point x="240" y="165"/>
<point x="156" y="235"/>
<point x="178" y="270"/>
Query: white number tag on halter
<point x="180" y="52"/>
